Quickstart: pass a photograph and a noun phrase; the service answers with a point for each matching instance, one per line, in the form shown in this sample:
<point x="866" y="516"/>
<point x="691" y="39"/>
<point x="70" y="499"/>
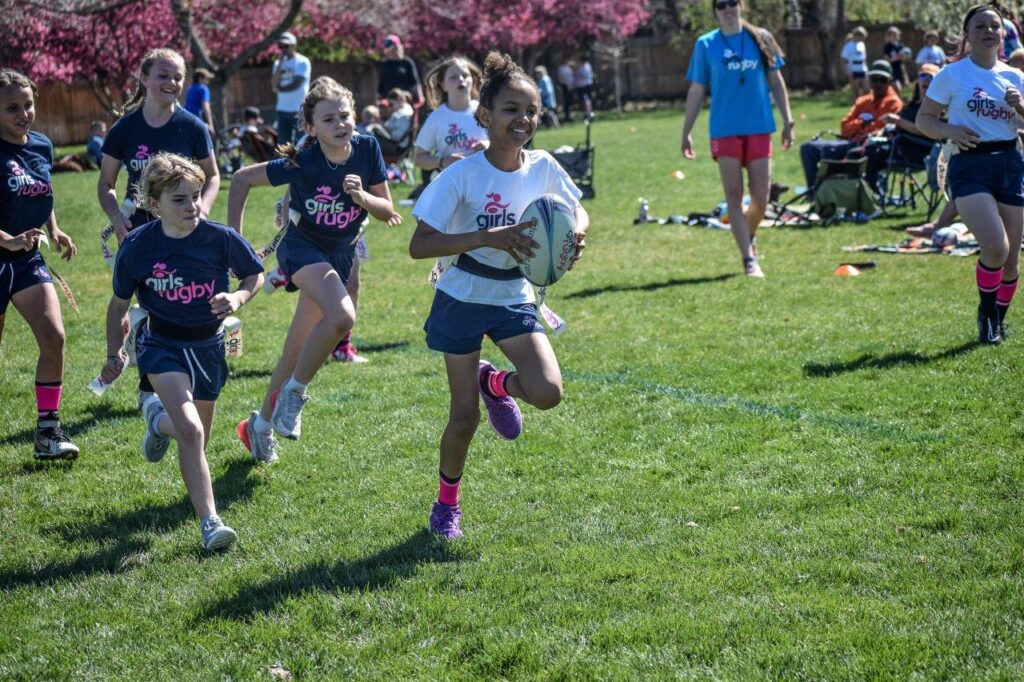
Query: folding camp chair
<point x="839" y="190"/>
<point x="900" y="185"/>
<point x="579" y="162"/>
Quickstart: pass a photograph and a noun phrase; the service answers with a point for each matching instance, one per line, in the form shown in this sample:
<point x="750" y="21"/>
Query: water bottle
<point x="643" y="215"/>
<point x="98" y="387"/>
<point x="232" y="337"/>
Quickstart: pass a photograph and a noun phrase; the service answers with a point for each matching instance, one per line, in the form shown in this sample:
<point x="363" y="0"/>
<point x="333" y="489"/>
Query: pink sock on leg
<point x="47" y="397"/>
<point x="448" y="492"/>
<point x="496" y="383"/>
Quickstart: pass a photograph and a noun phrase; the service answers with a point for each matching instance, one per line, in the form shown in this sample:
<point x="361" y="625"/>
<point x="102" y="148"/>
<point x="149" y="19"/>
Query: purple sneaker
<point x="444" y="521"/>
<point x="502" y="413"/>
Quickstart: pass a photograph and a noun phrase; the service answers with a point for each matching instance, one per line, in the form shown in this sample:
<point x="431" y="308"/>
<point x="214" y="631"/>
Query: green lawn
<point x="802" y="477"/>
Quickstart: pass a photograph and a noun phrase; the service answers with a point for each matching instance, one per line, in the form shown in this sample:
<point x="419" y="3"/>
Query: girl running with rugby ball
<point x="335" y="179"/>
<point x="26" y="205"/>
<point x="986" y="177"/>
<point x="178" y="266"/>
<point x="471" y="211"/>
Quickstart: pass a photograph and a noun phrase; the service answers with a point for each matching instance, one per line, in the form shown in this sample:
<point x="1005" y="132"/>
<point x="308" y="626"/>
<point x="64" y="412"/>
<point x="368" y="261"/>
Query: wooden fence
<point x="654" y="68"/>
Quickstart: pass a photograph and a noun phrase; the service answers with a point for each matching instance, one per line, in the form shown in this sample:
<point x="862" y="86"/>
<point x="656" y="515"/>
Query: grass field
<point x="802" y="477"/>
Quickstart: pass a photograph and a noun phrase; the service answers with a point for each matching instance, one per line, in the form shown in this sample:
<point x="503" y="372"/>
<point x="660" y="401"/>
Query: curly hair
<point x="500" y="70"/>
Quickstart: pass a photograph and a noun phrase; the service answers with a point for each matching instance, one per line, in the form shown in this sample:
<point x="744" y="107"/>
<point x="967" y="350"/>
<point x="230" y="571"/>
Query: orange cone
<point x="846" y="271"/>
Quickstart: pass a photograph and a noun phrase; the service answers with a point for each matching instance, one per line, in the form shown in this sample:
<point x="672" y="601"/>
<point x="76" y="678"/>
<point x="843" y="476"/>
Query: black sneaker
<point x="51" y="443"/>
<point x="1001" y="327"/>
<point x="988" y="328"/>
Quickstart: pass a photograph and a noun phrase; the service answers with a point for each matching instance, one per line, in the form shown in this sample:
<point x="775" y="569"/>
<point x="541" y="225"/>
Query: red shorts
<point x="746" y="148"/>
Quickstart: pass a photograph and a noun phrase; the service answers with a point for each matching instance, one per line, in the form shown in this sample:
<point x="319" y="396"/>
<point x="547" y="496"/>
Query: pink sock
<point x="987" y="278"/>
<point x="47" y="397"/>
<point x="496" y="383"/>
<point x="347" y="339"/>
<point x="1005" y="293"/>
<point x="449" y="490"/>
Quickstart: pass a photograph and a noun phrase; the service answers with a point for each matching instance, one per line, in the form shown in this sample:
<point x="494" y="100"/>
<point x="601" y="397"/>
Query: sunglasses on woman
<point x="726" y="3"/>
<point x="925" y="78"/>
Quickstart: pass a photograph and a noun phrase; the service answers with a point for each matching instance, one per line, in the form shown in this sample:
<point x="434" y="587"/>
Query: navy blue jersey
<point x="132" y="141"/>
<point x="26" y="198"/>
<point x="176" y="278"/>
<point x="328" y="216"/>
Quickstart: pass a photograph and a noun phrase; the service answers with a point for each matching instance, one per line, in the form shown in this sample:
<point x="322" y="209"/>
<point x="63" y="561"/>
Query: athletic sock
<point x="495" y="383"/>
<point x="47" y="397"/>
<point x="448" y="492"/>
<point x="347" y="339"/>
<point x="293" y="385"/>
<point x="1004" y="296"/>
<point x="988" y="286"/>
<point x="260" y="424"/>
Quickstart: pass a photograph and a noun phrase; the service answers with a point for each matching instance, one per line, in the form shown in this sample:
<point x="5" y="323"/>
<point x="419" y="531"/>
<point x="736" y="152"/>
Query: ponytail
<point x="291" y="151"/>
<point x="766" y="44"/>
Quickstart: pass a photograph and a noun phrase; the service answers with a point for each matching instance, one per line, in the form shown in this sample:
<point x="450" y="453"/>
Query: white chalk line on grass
<point x="846" y="423"/>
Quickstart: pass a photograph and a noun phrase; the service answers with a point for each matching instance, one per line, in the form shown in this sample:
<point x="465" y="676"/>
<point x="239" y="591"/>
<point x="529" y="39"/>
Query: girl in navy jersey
<point x="335" y="180"/>
<point x="153" y="122"/>
<point x="178" y="266"/>
<point x="986" y="177"/>
<point x="471" y="211"/>
<point x="26" y="205"/>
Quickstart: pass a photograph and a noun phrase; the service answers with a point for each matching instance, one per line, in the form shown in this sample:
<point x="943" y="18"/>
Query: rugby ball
<point x="554" y="229"/>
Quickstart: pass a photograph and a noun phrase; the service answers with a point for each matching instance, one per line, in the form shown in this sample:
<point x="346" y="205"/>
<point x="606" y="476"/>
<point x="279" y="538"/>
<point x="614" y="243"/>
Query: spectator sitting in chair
<point x="397" y="124"/>
<point x="865" y="119"/>
<point x="367" y="117"/>
<point x="258" y="140"/>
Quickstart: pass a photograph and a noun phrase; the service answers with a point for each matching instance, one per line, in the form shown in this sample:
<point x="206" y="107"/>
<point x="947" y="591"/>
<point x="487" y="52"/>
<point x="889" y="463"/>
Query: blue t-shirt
<point x="547" y="92"/>
<point x="26" y="198"/>
<point x="176" y="278"/>
<point x="328" y="216"/>
<point x="132" y="141"/>
<point x="94" y="148"/>
<point x="731" y="67"/>
<point x="195" y="97"/>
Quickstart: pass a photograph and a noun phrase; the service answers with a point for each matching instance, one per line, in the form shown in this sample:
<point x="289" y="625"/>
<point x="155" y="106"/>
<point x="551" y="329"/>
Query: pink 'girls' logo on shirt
<point x="982" y="105"/>
<point x="495" y="213"/>
<point x="457" y="138"/>
<point x="173" y="288"/>
<point x="324" y="194"/>
<point x="141" y="159"/>
<point x="23" y="184"/>
<point x="325" y="209"/>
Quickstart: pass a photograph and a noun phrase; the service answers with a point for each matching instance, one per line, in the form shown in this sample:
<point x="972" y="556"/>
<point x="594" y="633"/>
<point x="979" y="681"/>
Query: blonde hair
<point x="436" y="95"/>
<point x="164" y="173"/>
<point x="12" y="78"/>
<point x="858" y="32"/>
<point x="151" y="58"/>
<point x="322" y="88"/>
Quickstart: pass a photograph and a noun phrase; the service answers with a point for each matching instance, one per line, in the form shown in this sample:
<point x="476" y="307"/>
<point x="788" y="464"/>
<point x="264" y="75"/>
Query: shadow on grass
<point x="96" y="412"/>
<point x="375" y="572"/>
<point x="814" y="369"/>
<point x="383" y="347"/>
<point x="126" y="536"/>
<point x="653" y="286"/>
<point x="251" y="373"/>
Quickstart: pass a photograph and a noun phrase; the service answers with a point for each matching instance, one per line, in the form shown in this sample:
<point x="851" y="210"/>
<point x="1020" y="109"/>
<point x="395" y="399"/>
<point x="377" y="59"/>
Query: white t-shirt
<point x="290" y="69"/>
<point x="584" y="75"/>
<point x="855" y="55"/>
<point x="975" y="97"/>
<point x="447" y="131"/>
<point x="472" y="195"/>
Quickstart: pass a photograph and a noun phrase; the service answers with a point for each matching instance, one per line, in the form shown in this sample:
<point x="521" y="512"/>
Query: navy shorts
<point x="20" y="274"/>
<point x="456" y="327"/>
<point x="202" y="361"/>
<point x="297" y="251"/>
<point x="1000" y="174"/>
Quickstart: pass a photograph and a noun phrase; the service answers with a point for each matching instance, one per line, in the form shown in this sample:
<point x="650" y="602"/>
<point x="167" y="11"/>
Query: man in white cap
<point x="290" y="80"/>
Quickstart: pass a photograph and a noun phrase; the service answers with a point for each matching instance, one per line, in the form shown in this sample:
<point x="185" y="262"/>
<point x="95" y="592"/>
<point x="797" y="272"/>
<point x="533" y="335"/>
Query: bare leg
<point x="39" y="306"/>
<point x="463" y="413"/>
<point x="731" y="172"/>
<point x="982" y="216"/>
<point x="538" y="379"/>
<point x="307" y="315"/>
<point x="759" y="177"/>
<point x="322" y="284"/>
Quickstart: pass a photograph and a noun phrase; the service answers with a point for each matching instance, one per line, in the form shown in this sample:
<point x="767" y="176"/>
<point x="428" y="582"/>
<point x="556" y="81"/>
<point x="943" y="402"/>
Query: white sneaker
<point x="154" y="443"/>
<point x="261" y="445"/>
<point x="216" y="535"/>
<point x="287" y="416"/>
<point x="752" y="268"/>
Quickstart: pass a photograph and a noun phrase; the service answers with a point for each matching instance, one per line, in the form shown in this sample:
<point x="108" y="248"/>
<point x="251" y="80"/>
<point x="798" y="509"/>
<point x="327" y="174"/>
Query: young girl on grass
<point x="739" y="63"/>
<point x="26" y="205"/>
<point x="153" y="122"/>
<point x="472" y="210"/>
<point x="986" y="177"/>
<point x="451" y="132"/>
<point x="335" y="180"/>
<point x="178" y="266"/>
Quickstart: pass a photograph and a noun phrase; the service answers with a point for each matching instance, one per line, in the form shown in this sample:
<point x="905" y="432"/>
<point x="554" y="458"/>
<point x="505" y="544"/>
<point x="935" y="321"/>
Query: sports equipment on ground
<point x="554" y="229"/>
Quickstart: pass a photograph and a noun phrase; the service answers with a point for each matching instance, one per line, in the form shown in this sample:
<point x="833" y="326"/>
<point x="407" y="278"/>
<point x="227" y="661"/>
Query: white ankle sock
<point x="293" y="385"/>
<point x="260" y="424"/>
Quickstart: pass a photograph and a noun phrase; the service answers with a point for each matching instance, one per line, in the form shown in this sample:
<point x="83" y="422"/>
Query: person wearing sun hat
<point x="289" y="78"/>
